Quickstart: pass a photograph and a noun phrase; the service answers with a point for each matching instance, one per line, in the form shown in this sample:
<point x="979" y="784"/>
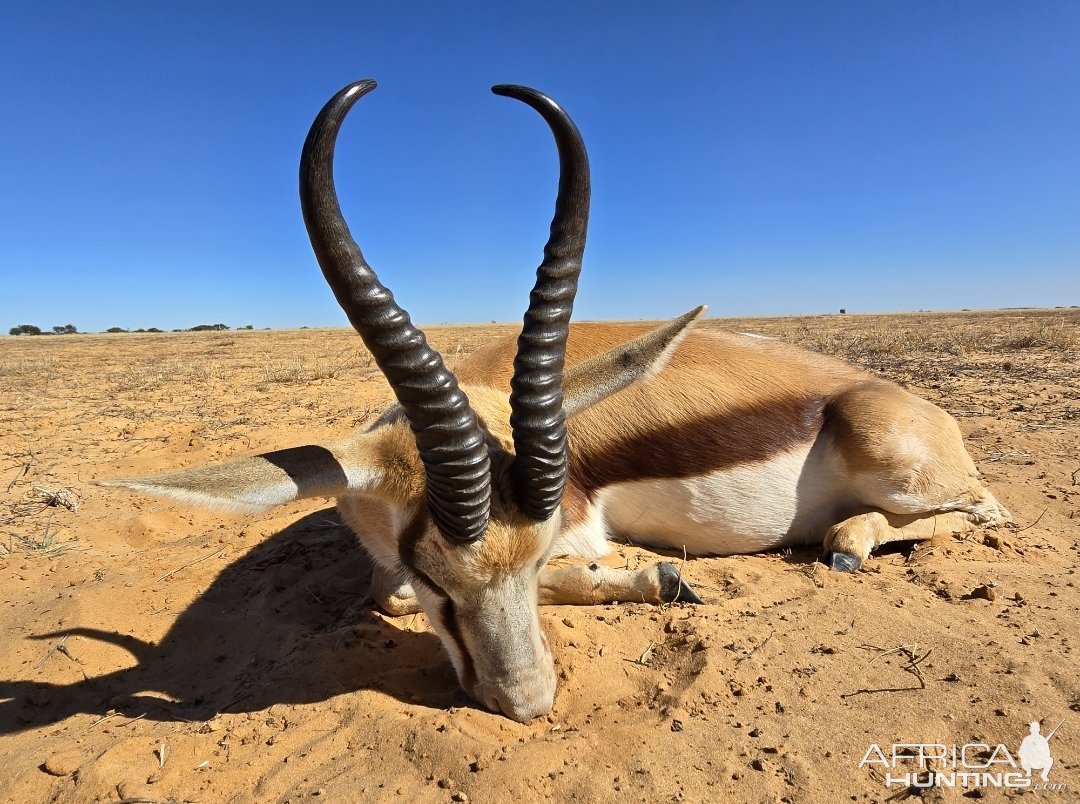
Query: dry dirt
<point x="158" y="653"/>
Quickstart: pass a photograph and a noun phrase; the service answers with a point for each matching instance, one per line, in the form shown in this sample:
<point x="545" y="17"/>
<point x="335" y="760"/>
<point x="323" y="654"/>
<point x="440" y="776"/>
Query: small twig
<point x="811" y="572"/>
<point x="1033" y="524"/>
<point x="866" y="691"/>
<point x="1074" y="474"/>
<point x="755" y="649"/>
<point x="913" y="667"/>
<point x="51" y="651"/>
<point x="910" y="651"/>
<point x="108" y="715"/>
<point x="998" y="456"/>
<point x="645" y="657"/>
<point x="22" y="471"/>
<point x="191" y="564"/>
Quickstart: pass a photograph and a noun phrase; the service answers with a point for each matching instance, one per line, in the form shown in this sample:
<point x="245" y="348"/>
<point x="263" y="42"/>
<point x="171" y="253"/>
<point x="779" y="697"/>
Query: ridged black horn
<point x="452" y="446"/>
<point x="537" y="417"/>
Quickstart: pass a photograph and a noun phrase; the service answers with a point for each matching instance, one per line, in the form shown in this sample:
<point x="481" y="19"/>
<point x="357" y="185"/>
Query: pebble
<point x="133" y="791"/>
<point x="63" y="764"/>
<point x="983" y="592"/>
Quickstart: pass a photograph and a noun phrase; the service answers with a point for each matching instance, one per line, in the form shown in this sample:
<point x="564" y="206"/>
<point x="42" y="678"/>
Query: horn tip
<point x="517" y="91"/>
<point x="363" y="85"/>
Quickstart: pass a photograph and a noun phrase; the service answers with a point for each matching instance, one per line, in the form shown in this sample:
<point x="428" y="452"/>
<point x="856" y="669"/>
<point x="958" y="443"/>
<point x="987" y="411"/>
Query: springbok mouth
<point x="504" y="703"/>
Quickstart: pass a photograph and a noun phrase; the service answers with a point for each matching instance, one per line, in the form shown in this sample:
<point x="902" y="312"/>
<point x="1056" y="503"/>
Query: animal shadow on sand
<point x="289" y="622"/>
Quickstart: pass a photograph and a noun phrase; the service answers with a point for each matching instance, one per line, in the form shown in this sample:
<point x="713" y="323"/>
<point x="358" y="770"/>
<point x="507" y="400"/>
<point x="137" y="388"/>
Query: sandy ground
<point x="157" y="653"/>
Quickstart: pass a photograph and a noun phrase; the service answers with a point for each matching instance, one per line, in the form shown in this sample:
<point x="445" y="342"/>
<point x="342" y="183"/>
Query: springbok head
<point x="459" y="493"/>
<point x="477" y="546"/>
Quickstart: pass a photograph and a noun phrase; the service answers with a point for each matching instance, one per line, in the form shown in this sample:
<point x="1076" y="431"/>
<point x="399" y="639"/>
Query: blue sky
<point x="761" y="157"/>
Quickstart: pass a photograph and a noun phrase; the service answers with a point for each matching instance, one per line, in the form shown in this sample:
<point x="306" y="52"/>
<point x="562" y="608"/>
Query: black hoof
<point x="672" y="587"/>
<point x="841" y="562"/>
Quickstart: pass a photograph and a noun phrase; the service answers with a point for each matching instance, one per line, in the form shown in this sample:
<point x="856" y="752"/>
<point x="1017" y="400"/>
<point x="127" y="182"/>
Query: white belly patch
<point x="790" y="498"/>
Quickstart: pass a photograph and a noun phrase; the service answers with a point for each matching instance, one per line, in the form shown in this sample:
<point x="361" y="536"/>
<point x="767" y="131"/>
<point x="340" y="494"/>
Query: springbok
<point x="683" y="439"/>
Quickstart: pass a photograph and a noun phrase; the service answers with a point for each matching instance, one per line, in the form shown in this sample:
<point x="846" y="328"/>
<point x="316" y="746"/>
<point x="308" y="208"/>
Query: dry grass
<point x="153" y="375"/>
<point x="303" y="369"/>
<point x="880" y="341"/>
<point x="44" y="546"/>
<point x="1058" y="336"/>
<point x="26" y="367"/>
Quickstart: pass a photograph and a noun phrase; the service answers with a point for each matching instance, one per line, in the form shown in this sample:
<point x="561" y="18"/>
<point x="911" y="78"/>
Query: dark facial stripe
<point x="410" y="537"/>
<point x="453" y="630"/>
<point x="650" y="450"/>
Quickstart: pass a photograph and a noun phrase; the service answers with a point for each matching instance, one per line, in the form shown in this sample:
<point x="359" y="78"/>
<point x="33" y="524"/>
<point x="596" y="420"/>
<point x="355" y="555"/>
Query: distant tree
<point x="116" y="329"/>
<point x="843" y="311"/>
<point x="208" y="328"/>
<point x="247" y="327"/>
<point x="25" y="329"/>
<point x="67" y="329"/>
<point x="155" y="329"/>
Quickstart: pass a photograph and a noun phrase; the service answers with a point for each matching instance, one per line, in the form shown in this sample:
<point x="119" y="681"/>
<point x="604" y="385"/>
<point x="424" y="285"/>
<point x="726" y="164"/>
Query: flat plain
<point x="155" y="653"/>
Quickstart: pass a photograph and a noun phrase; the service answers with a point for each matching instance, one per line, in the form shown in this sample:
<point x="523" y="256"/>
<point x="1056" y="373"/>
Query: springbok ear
<point x="260" y="482"/>
<point x="599" y="377"/>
